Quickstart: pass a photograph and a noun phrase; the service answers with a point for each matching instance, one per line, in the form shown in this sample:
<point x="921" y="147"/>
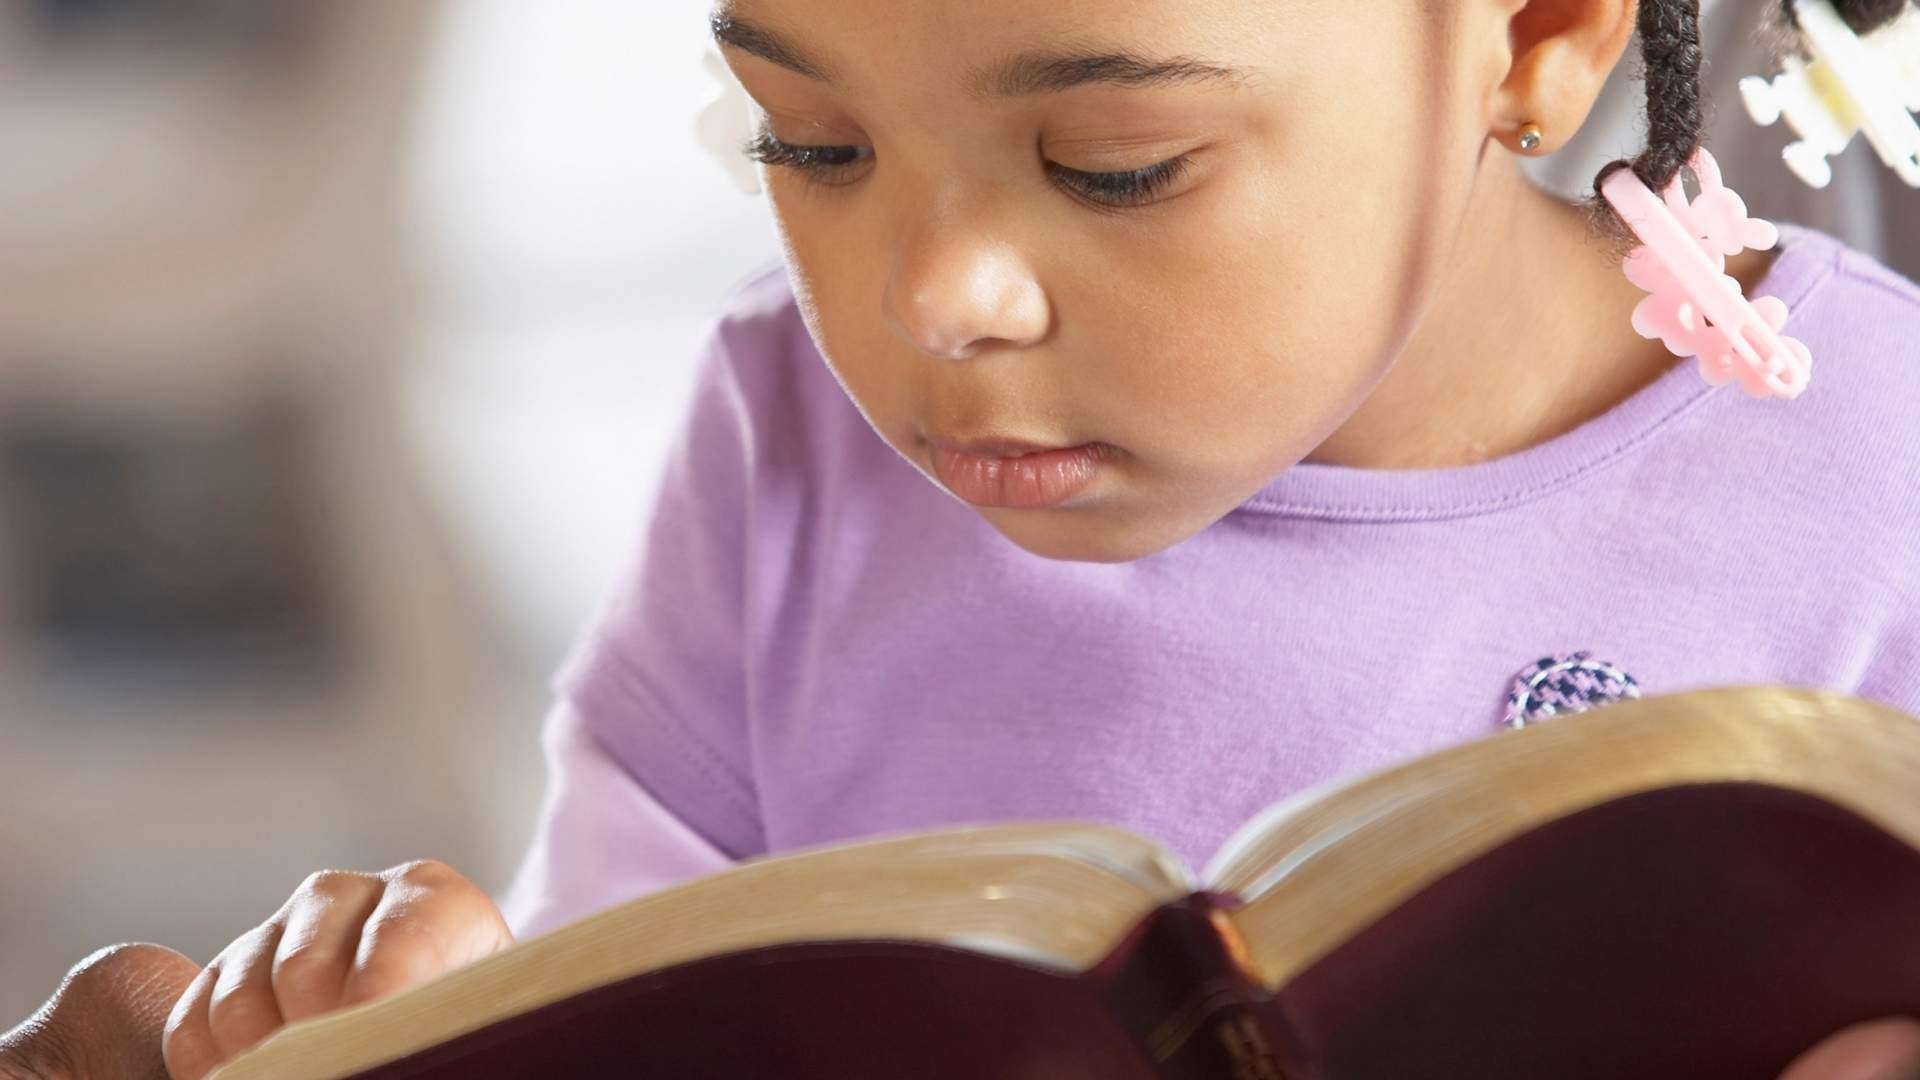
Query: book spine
<point x="1177" y="985"/>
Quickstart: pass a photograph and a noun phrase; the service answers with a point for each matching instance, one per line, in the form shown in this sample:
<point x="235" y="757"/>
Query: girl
<point x="1163" y="407"/>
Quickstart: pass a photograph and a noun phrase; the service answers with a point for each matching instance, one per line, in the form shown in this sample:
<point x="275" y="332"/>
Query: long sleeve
<point x="601" y="839"/>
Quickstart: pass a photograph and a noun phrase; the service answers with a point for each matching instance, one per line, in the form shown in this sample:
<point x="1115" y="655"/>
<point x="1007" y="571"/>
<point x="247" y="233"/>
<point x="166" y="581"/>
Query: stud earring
<point x="1530" y="137"/>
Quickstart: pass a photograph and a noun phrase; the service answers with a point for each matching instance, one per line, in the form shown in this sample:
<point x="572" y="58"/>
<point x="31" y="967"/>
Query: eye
<point x="832" y="166"/>
<point x="1135" y="187"/>
<point x="818" y="164"/>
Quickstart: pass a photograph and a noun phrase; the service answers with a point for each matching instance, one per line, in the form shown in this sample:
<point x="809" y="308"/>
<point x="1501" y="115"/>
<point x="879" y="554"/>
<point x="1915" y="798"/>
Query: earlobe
<point x="1561" y="54"/>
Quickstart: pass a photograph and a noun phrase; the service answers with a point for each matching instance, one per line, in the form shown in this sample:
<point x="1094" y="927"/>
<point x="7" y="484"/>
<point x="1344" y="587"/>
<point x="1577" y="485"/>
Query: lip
<point x="996" y="448"/>
<point x="1015" y="474"/>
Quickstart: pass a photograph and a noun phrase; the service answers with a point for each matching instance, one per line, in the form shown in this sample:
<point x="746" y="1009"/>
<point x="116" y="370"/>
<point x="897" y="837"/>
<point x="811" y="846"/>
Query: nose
<point x="952" y="294"/>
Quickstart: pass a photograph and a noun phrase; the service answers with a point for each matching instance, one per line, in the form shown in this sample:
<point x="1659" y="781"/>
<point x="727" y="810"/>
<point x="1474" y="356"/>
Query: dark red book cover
<point x="1703" y="931"/>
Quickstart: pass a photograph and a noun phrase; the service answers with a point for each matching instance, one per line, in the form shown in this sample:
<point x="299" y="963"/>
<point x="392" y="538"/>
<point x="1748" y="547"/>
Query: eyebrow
<point x="1024" y="75"/>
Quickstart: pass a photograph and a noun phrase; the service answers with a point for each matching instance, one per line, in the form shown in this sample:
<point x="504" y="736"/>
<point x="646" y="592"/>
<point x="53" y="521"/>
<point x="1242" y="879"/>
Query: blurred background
<point x="339" y="345"/>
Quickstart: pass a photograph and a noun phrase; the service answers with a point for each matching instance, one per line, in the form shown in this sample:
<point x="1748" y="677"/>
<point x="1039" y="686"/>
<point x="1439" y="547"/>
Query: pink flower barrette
<point x="1694" y="307"/>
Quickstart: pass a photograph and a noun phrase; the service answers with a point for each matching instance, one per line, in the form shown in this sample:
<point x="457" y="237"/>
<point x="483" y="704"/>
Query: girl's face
<point x="965" y="278"/>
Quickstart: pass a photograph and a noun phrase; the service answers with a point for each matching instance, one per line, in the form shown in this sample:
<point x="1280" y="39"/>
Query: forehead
<point x="1194" y="21"/>
<point x="996" y="49"/>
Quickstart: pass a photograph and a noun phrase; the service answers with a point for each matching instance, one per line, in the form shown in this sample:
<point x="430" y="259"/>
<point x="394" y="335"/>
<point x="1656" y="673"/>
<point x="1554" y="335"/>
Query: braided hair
<point x="1670" y="52"/>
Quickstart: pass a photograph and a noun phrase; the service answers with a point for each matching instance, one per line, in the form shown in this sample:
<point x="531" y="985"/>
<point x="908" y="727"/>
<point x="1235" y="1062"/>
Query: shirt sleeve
<point x="601" y="838"/>
<point x="647" y="747"/>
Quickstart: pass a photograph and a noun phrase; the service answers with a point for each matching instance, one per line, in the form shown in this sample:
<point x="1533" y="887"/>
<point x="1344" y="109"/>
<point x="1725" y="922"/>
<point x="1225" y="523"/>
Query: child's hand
<point x="1886" y="1049"/>
<point x="342" y="939"/>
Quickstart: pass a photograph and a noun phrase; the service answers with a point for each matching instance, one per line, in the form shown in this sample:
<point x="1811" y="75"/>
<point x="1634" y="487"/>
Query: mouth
<point x="1014" y="473"/>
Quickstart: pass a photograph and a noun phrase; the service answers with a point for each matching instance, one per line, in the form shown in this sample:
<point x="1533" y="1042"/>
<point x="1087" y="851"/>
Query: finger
<point x="1886" y="1049"/>
<point x="241" y="1010"/>
<point x="429" y="921"/>
<point x="188" y="1046"/>
<point x="322" y="936"/>
<point x="107" y="1017"/>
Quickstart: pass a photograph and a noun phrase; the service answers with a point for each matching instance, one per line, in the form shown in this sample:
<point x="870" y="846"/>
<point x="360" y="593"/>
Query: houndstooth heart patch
<point x="1565" y="683"/>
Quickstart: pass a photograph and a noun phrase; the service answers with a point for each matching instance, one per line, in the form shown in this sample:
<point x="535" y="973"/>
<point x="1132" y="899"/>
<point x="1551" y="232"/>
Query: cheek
<point x="837" y="288"/>
<point x="1270" y="308"/>
<point x="1262" y="313"/>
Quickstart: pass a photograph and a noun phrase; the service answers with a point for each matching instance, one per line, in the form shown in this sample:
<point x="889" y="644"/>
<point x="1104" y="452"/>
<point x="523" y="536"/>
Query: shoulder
<point x="758" y="334"/>
<point x="1861" y="320"/>
<point x="1834" y="474"/>
<point x="761" y="301"/>
<point x="1861" y="317"/>
<point x="803" y="434"/>
<point x="785" y="396"/>
<point x="1851" y="443"/>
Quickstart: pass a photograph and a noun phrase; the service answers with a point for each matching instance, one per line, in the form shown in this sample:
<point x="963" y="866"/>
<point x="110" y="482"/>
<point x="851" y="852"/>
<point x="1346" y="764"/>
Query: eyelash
<point x="815" y="162"/>
<point x="820" y="164"/>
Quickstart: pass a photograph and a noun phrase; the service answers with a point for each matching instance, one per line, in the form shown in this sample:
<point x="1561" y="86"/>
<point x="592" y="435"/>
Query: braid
<point x="1670" y="52"/>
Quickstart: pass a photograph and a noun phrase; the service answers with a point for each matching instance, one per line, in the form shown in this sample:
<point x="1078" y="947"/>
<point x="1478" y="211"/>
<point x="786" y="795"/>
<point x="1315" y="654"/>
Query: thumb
<point x="1886" y="1049"/>
<point x="105" y="1020"/>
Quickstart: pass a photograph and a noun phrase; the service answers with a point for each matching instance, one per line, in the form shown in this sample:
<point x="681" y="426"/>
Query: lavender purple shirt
<point x="816" y="643"/>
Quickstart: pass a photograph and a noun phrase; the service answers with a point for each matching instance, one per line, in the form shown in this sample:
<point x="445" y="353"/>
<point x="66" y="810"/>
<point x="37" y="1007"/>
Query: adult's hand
<point x="1886" y="1049"/>
<point x="106" y="1020"/>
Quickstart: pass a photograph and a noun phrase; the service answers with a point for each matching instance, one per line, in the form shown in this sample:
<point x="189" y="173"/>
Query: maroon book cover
<point x="1703" y="931"/>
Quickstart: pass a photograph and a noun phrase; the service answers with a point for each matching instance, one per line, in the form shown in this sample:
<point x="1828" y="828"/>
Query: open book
<point x="1696" y="885"/>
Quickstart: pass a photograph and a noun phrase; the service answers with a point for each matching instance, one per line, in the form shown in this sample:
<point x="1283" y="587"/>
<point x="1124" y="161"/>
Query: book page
<point x="1320" y="867"/>
<point x="1053" y="895"/>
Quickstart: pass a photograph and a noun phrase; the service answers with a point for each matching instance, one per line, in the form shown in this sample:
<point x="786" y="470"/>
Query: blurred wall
<point x="577" y="239"/>
<point x="338" y="347"/>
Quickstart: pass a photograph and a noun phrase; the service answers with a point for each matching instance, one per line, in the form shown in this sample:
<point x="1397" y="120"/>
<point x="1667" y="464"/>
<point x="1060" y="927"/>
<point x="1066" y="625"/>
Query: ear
<point x="1560" y="53"/>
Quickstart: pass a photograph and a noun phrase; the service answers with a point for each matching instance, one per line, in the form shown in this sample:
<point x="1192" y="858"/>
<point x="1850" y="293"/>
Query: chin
<point x="1069" y="536"/>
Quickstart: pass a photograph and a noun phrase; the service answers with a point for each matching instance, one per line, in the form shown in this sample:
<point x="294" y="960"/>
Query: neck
<point x="1528" y="337"/>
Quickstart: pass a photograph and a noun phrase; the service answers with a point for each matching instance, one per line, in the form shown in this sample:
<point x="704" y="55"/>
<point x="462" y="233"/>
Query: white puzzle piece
<point x="1851" y="84"/>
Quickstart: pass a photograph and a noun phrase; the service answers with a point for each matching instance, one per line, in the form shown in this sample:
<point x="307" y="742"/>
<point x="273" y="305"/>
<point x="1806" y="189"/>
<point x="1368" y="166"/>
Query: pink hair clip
<point x="1695" y="307"/>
